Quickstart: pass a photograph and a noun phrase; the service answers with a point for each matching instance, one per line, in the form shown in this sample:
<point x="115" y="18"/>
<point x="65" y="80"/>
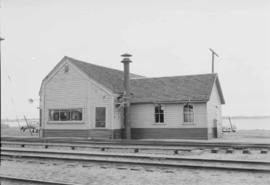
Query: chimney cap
<point x="126" y="55"/>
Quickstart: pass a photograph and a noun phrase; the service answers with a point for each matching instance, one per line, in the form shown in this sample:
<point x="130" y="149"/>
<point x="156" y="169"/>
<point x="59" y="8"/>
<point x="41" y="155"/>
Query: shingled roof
<point x="196" y="88"/>
<point x="174" y="89"/>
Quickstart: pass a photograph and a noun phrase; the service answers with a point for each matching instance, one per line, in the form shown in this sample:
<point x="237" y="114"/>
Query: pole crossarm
<point x="213" y="59"/>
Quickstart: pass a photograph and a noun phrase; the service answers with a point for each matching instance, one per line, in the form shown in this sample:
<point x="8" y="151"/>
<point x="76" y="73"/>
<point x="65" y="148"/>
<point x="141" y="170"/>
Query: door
<point x="100" y="117"/>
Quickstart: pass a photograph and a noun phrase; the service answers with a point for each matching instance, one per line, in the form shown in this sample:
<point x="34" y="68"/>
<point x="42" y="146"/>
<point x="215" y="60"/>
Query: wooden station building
<point x="79" y="99"/>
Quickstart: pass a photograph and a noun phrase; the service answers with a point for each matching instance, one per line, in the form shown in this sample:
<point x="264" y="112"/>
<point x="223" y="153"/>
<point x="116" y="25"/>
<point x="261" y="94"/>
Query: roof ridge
<point x="100" y="66"/>
<point x="76" y="60"/>
<point x="175" y="76"/>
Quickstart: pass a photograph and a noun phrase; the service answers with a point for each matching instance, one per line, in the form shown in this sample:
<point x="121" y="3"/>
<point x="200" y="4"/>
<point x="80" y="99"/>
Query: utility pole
<point x="126" y="95"/>
<point x="213" y="59"/>
<point x="1" y="39"/>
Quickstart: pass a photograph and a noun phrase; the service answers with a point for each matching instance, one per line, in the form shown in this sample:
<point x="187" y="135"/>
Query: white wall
<point x="214" y="111"/>
<point x="142" y="116"/>
<point x="74" y="90"/>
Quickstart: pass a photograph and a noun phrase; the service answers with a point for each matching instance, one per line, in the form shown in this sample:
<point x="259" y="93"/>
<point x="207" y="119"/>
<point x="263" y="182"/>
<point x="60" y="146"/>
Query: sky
<point x="165" y="37"/>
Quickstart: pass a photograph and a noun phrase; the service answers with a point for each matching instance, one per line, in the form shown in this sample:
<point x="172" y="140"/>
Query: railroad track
<point x="4" y="178"/>
<point x="138" y="159"/>
<point x="135" y="148"/>
<point x="205" y="144"/>
<point x="102" y="147"/>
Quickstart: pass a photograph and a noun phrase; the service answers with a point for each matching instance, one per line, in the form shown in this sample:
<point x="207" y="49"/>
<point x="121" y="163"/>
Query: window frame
<point x="69" y="110"/>
<point x="190" y="114"/>
<point x="159" y="115"/>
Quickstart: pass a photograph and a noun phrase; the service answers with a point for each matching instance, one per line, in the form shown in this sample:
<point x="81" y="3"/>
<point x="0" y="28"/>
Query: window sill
<point x="65" y="122"/>
<point x="159" y="124"/>
<point x="189" y="123"/>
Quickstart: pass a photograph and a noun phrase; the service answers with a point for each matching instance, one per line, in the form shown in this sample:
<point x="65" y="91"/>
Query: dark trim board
<point x="137" y="133"/>
<point x="87" y="133"/>
<point x="64" y="133"/>
<point x="213" y="133"/>
<point x="169" y="133"/>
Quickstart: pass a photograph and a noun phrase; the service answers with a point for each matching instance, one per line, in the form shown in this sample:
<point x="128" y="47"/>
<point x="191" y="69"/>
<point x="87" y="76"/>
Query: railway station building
<point x="79" y="99"/>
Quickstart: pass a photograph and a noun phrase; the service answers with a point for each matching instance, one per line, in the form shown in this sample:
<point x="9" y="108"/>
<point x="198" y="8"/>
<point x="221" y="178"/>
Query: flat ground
<point x="96" y="174"/>
<point x="256" y="136"/>
<point x="15" y="131"/>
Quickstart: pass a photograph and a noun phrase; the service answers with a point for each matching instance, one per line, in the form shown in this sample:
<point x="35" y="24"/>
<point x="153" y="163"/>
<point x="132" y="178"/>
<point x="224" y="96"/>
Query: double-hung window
<point x="188" y="114"/>
<point x="159" y="114"/>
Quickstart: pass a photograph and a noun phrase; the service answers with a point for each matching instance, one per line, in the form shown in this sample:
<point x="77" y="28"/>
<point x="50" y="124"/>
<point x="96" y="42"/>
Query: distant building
<point x="79" y="99"/>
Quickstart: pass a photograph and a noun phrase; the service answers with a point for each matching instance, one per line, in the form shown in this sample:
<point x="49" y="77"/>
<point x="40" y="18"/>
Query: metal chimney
<point x="126" y="62"/>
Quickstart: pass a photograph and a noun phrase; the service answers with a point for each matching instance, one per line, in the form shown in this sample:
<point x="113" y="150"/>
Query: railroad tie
<point x="135" y="169"/>
<point x="246" y="151"/>
<point x="229" y="151"/>
<point x="264" y="151"/>
<point x="215" y="150"/>
<point x="102" y="149"/>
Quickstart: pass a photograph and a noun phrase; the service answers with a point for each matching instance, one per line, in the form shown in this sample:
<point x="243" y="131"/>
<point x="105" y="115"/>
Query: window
<point x="76" y="114"/>
<point x="65" y="114"/>
<point x="159" y="114"/>
<point x="100" y="117"/>
<point x="188" y="114"/>
<point x="66" y="68"/>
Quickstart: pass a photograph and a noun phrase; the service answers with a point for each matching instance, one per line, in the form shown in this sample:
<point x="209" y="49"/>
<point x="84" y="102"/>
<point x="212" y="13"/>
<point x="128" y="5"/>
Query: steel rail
<point x="236" y="145"/>
<point x="153" y="160"/>
<point x="33" y="181"/>
<point x="97" y="146"/>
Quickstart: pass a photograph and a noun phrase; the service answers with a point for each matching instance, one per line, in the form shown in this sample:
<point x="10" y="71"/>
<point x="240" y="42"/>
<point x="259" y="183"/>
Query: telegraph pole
<point x="213" y="59"/>
<point x="1" y="39"/>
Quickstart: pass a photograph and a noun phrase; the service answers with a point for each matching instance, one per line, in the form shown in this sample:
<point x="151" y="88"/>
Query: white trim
<point x="66" y="122"/>
<point x="193" y="111"/>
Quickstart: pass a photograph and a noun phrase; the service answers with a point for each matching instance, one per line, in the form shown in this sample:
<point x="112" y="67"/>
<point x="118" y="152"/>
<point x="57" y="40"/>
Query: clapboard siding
<point x="85" y="133"/>
<point x="64" y="91"/>
<point x="118" y="133"/>
<point x="214" y="113"/>
<point x="101" y="133"/>
<point x="142" y="116"/>
<point x="137" y="133"/>
<point x="65" y="133"/>
<point x="169" y="133"/>
<point x="74" y="90"/>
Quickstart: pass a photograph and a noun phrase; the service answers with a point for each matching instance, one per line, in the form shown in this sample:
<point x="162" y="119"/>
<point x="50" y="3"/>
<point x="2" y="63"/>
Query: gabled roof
<point x="108" y="77"/>
<point x="196" y="88"/>
<point x="174" y="89"/>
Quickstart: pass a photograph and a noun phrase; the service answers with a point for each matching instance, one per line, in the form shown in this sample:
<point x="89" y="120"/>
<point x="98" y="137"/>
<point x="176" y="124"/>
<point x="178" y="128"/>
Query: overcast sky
<point x="166" y="38"/>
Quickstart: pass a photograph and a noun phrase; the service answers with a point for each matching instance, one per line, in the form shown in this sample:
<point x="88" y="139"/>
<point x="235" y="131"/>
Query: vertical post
<point x="213" y="59"/>
<point x="213" y="63"/>
<point x="1" y="39"/>
<point x="126" y="62"/>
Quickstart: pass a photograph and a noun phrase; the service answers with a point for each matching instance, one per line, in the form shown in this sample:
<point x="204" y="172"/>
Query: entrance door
<point x="100" y="117"/>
